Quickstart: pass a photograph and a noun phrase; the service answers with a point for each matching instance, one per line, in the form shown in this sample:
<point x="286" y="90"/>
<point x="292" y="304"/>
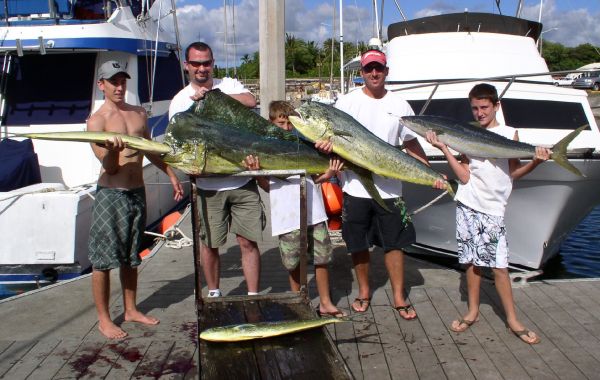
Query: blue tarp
<point x="18" y="165"/>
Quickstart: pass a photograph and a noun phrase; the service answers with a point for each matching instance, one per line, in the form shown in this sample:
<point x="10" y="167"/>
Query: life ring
<point x="168" y="221"/>
<point x="334" y="223"/>
<point x="332" y="197"/>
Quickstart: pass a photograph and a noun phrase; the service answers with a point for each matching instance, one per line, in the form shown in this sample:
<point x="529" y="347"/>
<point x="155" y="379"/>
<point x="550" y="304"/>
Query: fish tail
<point x="452" y="187"/>
<point x="559" y="151"/>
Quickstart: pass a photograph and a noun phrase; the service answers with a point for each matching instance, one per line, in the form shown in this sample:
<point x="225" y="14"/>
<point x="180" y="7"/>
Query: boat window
<point x="526" y="113"/>
<point x="49" y="89"/>
<point x="167" y="80"/>
<point x="458" y="109"/>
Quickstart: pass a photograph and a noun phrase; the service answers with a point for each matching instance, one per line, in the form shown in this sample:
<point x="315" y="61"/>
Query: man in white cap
<point x="365" y="223"/>
<point x="119" y="214"/>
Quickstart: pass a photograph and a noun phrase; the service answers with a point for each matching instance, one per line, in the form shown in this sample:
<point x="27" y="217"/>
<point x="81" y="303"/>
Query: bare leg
<point x="473" y="290"/>
<point x="101" y="292"/>
<point x="250" y="262"/>
<point x="361" y="269"/>
<point x="394" y="262"/>
<point x="129" y="285"/>
<point x="325" y="304"/>
<point x="294" y="277"/>
<point x="211" y="265"/>
<point x="504" y="289"/>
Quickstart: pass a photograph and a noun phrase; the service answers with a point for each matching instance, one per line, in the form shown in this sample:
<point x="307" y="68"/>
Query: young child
<point x="285" y="221"/>
<point x="485" y="185"/>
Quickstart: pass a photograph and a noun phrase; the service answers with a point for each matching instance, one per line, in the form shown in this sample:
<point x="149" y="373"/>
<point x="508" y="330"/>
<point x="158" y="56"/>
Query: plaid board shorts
<point x="118" y="224"/>
<point x="481" y="238"/>
<point x="319" y="246"/>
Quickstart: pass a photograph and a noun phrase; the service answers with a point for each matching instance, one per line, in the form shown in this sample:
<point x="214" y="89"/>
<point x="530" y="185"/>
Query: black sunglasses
<point x="373" y="66"/>
<point x="200" y="63"/>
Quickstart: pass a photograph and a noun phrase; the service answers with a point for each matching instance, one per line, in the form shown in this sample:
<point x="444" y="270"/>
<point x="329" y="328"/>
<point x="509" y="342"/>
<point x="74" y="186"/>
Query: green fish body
<point x="355" y="143"/>
<point x="248" y="331"/>
<point x="479" y="142"/>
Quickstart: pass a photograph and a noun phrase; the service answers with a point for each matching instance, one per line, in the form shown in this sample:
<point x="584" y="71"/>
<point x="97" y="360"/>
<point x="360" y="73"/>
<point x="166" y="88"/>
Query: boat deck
<point x="53" y="333"/>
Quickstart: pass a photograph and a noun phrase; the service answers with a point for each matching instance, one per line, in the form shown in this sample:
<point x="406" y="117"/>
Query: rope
<point x="429" y="204"/>
<point x="174" y="238"/>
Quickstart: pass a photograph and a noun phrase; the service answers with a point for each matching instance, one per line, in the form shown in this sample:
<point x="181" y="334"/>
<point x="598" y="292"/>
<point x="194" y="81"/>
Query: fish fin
<point x="366" y="179"/>
<point x="559" y="151"/>
<point x="339" y="132"/>
<point x="475" y="124"/>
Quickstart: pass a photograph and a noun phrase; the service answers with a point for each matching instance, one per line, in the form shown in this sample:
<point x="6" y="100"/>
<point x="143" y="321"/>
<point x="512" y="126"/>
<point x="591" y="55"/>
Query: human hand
<point x="251" y="163"/>
<point x="542" y="154"/>
<point x="432" y="138"/>
<point x="335" y="165"/>
<point x="114" y="143"/>
<point x="177" y="188"/>
<point x="324" y="146"/>
<point x="199" y="94"/>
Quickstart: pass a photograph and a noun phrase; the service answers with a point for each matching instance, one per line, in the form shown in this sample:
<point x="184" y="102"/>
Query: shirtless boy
<point x="119" y="215"/>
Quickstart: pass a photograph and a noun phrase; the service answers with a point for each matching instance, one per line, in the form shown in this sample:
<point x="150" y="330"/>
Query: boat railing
<point x="511" y="78"/>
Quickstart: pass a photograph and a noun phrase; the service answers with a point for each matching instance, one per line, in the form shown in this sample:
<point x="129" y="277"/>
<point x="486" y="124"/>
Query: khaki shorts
<point x="238" y="211"/>
<point x="319" y="246"/>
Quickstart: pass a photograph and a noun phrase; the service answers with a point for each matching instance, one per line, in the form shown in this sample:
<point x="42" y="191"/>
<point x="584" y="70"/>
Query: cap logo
<point x="116" y="65"/>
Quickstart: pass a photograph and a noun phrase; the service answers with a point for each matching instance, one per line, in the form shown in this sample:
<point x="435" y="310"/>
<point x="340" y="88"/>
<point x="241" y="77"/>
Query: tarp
<point x="18" y="165"/>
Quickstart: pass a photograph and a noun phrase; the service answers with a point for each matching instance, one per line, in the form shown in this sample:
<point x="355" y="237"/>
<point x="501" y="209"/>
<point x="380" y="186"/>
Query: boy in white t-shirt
<point x="285" y="217"/>
<point x="485" y="185"/>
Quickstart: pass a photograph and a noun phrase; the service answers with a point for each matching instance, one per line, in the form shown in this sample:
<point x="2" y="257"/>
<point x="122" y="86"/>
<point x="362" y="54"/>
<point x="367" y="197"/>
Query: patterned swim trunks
<point x="118" y="223"/>
<point x="319" y="246"/>
<point x="481" y="238"/>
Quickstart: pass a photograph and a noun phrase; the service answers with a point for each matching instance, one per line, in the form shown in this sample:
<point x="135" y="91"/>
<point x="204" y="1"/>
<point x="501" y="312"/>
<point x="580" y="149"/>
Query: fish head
<point x="313" y="123"/>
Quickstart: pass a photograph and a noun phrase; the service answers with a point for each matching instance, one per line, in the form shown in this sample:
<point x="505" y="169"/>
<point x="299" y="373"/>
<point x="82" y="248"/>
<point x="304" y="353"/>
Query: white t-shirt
<point x="490" y="183"/>
<point x="285" y="204"/>
<point x="379" y="116"/>
<point x="182" y="102"/>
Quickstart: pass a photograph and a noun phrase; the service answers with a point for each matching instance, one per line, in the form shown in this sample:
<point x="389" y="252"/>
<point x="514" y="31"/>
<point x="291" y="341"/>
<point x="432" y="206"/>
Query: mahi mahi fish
<point x="355" y="143"/>
<point x="248" y="331"/>
<point x="476" y="141"/>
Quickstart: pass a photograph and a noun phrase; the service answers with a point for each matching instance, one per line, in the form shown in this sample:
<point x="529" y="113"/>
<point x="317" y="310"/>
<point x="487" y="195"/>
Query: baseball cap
<point x="111" y="68"/>
<point x="372" y="56"/>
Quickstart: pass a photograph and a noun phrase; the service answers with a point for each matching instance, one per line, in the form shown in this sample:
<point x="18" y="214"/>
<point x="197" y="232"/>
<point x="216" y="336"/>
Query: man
<point x="229" y="204"/>
<point x="364" y="221"/>
<point x="119" y="214"/>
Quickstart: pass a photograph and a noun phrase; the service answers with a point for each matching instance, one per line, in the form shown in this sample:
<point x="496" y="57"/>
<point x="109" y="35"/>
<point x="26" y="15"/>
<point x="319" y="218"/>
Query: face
<point x="114" y="88"/>
<point x="374" y="75"/>
<point x="484" y="111"/>
<point x="283" y="123"/>
<point x="199" y="66"/>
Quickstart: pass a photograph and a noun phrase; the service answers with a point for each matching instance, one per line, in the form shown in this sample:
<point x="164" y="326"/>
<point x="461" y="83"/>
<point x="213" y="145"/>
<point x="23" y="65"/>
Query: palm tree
<point x="291" y="44"/>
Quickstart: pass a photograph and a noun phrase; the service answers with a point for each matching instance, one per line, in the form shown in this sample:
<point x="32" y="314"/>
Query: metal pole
<point x="179" y="50"/>
<point x="303" y="236"/>
<point x="342" y="87"/>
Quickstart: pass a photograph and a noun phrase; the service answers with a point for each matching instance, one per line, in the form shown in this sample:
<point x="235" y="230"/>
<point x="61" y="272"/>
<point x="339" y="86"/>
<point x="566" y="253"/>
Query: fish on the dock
<point x="475" y="141"/>
<point x="248" y="331"/>
<point x="355" y="143"/>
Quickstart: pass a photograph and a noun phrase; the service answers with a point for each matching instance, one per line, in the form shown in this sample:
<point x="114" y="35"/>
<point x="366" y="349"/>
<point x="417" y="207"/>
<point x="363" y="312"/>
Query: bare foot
<point x="111" y="331"/>
<point x="137" y="316"/>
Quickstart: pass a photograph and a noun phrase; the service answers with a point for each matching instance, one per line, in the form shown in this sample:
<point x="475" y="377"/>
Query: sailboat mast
<point x="342" y="87"/>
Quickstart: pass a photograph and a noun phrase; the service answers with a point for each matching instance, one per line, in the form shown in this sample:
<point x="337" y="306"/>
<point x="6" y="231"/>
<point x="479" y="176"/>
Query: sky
<point x="569" y="22"/>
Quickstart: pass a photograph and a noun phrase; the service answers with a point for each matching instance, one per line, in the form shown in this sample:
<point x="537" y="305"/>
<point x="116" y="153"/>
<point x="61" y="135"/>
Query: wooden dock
<point x="52" y="333"/>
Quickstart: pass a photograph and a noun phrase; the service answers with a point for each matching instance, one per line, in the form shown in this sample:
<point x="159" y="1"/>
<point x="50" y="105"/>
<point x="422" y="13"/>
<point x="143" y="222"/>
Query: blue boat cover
<point x="18" y="165"/>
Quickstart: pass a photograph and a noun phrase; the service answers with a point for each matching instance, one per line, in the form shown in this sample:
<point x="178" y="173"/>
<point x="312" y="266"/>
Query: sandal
<point x="524" y="334"/>
<point x="335" y="314"/>
<point x="361" y="302"/>
<point x="406" y="309"/>
<point x="461" y="322"/>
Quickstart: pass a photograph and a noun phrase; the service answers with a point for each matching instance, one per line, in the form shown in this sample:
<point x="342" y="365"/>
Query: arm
<point x="460" y="168"/>
<point x="253" y="163"/>
<point x="246" y="98"/>
<point x="107" y="153"/>
<point x="518" y="170"/>
<point x="159" y="163"/>
<point x="335" y="165"/>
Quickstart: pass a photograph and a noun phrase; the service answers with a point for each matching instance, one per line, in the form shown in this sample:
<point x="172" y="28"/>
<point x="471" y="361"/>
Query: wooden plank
<point x="27" y="364"/>
<point x="181" y="362"/>
<point x="4" y="344"/>
<point x="56" y="359"/>
<point x="151" y="366"/>
<point x="105" y="360"/>
<point x="424" y="357"/>
<point x="346" y="341"/>
<point x="14" y="353"/>
<point x="82" y="359"/>
<point x="130" y="358"/>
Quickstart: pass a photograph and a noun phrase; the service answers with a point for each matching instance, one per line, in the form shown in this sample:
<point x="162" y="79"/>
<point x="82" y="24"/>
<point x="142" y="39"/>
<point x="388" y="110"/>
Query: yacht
<point x="50" y="52"/>
<point x="435" y="61"/>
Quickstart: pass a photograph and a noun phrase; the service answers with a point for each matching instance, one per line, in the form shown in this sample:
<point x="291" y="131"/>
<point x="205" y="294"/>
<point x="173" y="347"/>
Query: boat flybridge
<point x="435" y="61"/>
<point x="49" y="54"/>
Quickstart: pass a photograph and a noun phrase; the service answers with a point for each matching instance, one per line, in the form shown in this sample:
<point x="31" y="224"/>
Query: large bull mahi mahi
<point x="355" y="143"/>
<point x="479" y="142"/>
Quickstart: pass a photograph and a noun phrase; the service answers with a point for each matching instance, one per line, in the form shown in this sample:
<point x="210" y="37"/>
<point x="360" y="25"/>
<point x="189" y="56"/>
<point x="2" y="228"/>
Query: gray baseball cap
<point x="111" y="68"/>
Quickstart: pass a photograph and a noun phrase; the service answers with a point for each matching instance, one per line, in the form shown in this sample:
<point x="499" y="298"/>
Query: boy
<point x="285" y="210"/>
<point x="485" y="185"/>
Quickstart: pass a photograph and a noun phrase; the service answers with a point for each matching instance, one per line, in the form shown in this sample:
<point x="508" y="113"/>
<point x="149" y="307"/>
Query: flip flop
<point x="406" y="309"/>
<point x="361" y="302"/>
<point x="523" y="334"/>
<point x="336" y="314"/>
<point x="462" y="321"/>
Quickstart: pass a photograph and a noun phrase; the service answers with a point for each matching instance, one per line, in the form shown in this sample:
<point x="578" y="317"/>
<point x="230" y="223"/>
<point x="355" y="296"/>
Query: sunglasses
<point x="374" y="66"/>
<point x="197" y="64"/>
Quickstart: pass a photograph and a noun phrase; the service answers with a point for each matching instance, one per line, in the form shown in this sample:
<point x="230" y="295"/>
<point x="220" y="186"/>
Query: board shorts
<point x="118" y="224"/>
<point x="319" y="246"/>
<point x="481" y="238"/>
<point x="238" y="211"/>
<point x="365" y="223"/>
